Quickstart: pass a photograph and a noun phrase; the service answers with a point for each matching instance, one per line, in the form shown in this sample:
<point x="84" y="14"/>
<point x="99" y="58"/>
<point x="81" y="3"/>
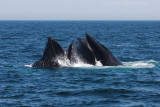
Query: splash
<point x="65" y="62"/>
<point x="28" y="65"/>
<point x="81" y="64"/>
<point x="140" y="64"/>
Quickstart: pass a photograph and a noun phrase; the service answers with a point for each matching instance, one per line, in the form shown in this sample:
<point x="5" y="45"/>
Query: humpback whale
<point x="71" y="53"/>
<point x="52" y="51"/>
<point x="101" y="53"/>
<point x="81" y="52"/>
<point x="84" y="52"/>
<point x="87" y="50"/>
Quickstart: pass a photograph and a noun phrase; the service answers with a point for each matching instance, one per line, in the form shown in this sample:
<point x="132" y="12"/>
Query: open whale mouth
<point x="87" y="51"/>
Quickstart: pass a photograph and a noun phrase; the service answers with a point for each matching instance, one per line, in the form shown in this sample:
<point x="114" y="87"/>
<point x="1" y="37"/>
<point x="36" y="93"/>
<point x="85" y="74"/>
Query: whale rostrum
<point x="87" y="50"/>
<point x="52" y="51"/>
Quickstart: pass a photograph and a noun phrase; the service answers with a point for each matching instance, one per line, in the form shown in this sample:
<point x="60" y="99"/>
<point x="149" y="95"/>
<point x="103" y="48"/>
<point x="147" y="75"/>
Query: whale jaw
<point x="102" y="54"/>
<point x="86" y="50"/>
<point x="50" y="54"/>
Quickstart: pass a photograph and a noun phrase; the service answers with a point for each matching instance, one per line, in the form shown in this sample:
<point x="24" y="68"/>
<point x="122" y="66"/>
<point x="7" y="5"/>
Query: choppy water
<point x="136" y="83"/>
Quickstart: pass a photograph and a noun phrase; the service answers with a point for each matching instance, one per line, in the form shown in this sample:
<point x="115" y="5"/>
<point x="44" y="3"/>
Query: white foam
<point x="140" y="64"/>
<point x="81" y="64"/>
<point x="28" y="65"/>
<point x="135" y="64"/>
<point x="98" y="63"/>
<point x="64" y="62"/>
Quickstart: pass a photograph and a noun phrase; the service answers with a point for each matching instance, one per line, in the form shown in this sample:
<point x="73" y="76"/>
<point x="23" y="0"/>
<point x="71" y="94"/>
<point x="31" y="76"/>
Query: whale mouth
<point x="87" y="50"/>
<point x="127" y="65"/>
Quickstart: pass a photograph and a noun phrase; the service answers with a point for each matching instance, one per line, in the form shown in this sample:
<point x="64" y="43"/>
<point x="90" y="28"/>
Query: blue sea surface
<point x="136" y="83"/>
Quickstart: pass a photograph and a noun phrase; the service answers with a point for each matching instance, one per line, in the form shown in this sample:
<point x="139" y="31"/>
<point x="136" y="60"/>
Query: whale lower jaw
<point x="85" y="51"/>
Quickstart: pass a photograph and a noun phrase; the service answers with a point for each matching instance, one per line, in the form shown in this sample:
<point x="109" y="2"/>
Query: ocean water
<point x="136" y="83"/>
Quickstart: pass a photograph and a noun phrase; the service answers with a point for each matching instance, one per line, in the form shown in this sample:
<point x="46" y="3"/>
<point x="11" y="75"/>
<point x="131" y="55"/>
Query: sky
<point x="79" y="9"/>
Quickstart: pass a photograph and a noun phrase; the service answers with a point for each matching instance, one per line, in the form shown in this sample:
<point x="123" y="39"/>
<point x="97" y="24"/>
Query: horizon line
<point x="76" y="20"/>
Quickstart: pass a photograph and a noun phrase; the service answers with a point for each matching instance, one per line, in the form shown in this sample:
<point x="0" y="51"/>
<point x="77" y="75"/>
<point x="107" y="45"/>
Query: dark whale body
<point x="87" y="50"/>
<point x="51" y="52"/>
<point x="71" y="53"/>
<point x="101" y="53"/>
<point x="80" y="51"/>
<point x="84" y="52"/>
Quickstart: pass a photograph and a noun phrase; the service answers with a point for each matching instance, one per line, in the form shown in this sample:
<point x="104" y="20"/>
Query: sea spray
<point x="64" y="62"/>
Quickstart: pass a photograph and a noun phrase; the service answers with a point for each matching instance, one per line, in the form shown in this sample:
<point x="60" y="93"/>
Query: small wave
<point x="140" y="64"/>
<point x="28" y="65"/>
<point x="135" y="64"/>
